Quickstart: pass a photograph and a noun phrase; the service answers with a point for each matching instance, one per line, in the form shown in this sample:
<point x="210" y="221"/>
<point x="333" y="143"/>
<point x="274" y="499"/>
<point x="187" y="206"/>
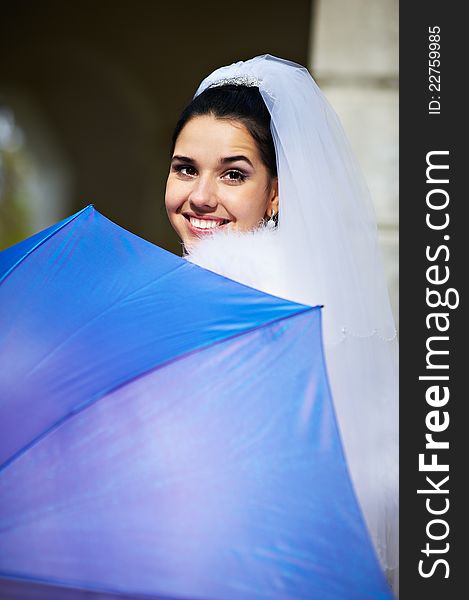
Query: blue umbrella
<point x="165" y="432"/>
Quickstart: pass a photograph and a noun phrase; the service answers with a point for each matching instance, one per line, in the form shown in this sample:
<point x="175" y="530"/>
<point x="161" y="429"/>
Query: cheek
<point x="173" y="196"/>
<point x="252" y="206"/>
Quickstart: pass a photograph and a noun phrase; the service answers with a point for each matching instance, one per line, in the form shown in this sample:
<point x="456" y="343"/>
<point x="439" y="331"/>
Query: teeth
<point x="204" y="223"/>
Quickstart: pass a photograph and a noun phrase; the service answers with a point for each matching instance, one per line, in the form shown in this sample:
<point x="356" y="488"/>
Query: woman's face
<point x="217" y="180"/>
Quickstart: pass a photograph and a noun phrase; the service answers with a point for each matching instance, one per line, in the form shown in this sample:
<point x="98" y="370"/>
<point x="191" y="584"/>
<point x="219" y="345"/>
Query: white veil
<point x="327" y="234"/>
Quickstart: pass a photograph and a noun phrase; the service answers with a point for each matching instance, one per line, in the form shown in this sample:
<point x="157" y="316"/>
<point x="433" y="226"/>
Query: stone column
<point x="354" y="58"/>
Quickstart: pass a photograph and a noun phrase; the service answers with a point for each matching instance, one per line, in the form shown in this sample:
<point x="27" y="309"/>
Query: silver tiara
<point x="246" y="80"/>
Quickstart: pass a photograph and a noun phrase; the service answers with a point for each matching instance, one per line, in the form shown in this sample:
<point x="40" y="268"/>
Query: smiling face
<point x="217" y="180"/>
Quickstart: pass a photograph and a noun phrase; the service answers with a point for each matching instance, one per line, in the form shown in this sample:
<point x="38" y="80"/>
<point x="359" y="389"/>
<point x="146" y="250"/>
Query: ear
<point x="272" y="207"/>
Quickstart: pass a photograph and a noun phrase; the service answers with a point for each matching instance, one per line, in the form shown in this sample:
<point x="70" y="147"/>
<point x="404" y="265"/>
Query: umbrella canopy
<point x="165" y="432"/>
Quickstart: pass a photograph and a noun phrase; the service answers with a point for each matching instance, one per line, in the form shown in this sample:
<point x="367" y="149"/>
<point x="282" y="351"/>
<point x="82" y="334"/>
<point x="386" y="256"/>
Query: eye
<point x="235" y="176"/>
<point x="185" y="170"/>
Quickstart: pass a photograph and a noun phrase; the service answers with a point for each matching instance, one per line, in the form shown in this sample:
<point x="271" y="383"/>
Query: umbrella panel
<point x="203" y="479"/>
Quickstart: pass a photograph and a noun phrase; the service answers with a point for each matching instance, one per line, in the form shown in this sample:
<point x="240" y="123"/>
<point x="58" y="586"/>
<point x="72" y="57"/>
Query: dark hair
<point x="240" y="103"/>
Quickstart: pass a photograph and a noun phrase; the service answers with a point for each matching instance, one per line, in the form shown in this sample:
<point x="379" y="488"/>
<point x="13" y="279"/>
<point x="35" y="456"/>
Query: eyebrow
<point x="230" y="159"/>
<point x="185" y="159"/>
<point x="223" y="161"/>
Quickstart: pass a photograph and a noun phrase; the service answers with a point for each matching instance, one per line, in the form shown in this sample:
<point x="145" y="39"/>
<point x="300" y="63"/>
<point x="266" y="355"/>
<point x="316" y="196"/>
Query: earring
<point x="271" y="223"/>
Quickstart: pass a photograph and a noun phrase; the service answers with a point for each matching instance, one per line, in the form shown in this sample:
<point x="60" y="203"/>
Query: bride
<point x="263" y="188"/>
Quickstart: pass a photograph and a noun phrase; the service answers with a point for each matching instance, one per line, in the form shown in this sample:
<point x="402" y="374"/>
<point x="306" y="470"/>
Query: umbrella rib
<point x="70" y="588"/>
<point x="47" y="237"/>
<point x="81" y="407"/>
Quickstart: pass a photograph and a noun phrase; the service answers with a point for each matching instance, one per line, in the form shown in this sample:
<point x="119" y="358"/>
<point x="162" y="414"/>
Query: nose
<point x="203" y="195"/>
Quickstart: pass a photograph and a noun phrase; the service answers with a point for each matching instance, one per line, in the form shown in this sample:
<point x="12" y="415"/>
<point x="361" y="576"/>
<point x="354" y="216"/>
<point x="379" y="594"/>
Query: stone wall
<point x="354" y="58"/>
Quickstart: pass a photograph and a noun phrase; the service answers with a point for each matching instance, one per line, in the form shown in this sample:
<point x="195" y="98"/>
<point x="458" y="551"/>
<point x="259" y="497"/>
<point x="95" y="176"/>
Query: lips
<point x="204" y="224"/>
